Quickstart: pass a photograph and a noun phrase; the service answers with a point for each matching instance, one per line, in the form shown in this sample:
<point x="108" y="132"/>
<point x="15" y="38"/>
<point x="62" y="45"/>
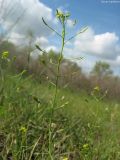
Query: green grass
<point x="81" y="129"/>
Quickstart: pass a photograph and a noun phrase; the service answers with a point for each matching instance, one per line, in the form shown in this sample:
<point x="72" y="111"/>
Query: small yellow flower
<point x="23" y="129"/>
<point x="86" y="146"/>
<point x="60" y="14"/>
<point x="97" y="88"/>
<point x="65" y="158"/>
<point x="5" y="55"/>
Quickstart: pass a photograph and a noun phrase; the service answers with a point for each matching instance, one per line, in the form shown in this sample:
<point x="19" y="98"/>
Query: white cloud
<point x="50" y="47"/>
<point x="42" y="41"/>
<point x="102" y="45"/>
<point x="114" y="62"/>
<point x="29" y="13"/>
<point x="118" y="60"/>
<point x="27" y="16"/>
<point x="70" y="23"/>
<point x="16" y="38"/>
<point x="93" y="47"/>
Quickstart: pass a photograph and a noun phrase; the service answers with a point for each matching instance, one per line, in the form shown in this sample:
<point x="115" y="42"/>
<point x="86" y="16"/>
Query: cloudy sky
<point x="100" y="42"/>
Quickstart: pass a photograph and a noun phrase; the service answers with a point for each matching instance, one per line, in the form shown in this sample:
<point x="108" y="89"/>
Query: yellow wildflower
<point x="5" y="55"/>
<point x="65" y="158"/>
<point x="85" y="146"/>
<point x="23" y="129"/>
<point x="97" y="88"/>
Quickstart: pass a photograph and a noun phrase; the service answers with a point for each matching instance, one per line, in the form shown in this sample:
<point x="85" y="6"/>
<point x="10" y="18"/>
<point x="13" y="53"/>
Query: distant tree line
<point x="43" y="69"/>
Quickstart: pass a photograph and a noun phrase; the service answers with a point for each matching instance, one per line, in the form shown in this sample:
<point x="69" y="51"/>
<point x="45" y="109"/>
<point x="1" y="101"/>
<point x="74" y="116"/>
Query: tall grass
<point x="81" y="130"/>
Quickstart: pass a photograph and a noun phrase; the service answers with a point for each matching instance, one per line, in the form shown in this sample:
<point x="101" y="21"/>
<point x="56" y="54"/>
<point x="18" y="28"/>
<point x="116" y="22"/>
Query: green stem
<point x="1" y="72"/>
<point x="58" y="68"/>
<point x="50" y="139"/>
<point x="56" y="91"/>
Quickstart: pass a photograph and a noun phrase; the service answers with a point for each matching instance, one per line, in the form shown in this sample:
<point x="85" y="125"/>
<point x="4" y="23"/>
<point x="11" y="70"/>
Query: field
<point x="52" y="107"/>
<point x="82" y="128"/>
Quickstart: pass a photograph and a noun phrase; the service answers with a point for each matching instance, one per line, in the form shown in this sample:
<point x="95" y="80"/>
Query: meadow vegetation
<point x="51" y="110"/>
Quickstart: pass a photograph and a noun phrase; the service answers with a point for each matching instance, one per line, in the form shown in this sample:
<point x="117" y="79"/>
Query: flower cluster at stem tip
<point x="23" y="129"/>
<point x="5" y="55"/>
<point x="62" y="16"/>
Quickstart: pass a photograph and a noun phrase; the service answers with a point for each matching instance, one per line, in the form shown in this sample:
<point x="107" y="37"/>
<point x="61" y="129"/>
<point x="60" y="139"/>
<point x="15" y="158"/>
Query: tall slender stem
<point x="58" y="68"/>
<point x="56" y="90"/>
<point x="62" y="17"/>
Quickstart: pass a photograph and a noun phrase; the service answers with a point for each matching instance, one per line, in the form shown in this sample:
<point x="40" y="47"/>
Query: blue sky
<point x="103" y="17"/>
